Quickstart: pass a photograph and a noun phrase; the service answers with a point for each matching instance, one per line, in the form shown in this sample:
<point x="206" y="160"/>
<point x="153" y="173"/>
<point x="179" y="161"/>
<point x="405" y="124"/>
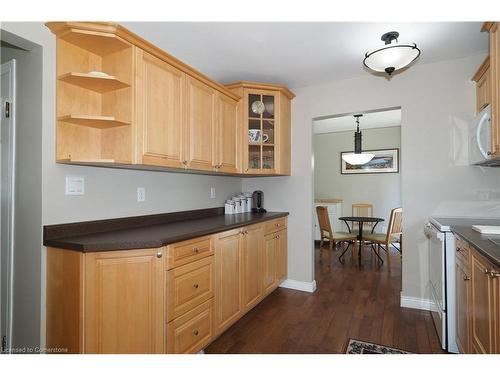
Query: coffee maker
<point x="258" y="201"/>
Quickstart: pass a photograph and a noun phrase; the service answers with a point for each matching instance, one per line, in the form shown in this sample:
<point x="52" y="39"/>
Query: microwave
<point x="480" y="137"/>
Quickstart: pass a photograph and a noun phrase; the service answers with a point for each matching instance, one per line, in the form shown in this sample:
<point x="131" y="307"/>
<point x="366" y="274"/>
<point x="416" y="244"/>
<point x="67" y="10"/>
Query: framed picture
<point x="385" y="161"/>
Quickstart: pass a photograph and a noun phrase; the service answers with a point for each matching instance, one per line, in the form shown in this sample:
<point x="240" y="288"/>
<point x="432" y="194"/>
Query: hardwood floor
<point x="348" y="303"/>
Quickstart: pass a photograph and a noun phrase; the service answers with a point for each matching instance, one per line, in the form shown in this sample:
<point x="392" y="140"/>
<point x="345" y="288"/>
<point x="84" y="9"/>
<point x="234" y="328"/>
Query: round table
<point x="360" y="220"/>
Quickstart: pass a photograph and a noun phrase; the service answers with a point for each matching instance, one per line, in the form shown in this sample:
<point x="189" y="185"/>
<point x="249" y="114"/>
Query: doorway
<point x="7" y="162"/>
<point x="371" y="188"/>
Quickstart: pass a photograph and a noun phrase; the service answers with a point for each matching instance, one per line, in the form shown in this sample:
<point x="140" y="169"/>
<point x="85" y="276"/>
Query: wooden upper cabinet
<point x="159" y="98"/>
<point x="484" y="309"/>
<point x="201" y="125"/>
<point x="227" y="134"/>
<point x="483" y="85"/>
<point x="266" y="128"/>
<point x="124" y="303"/>
<point x="228" y="279"/>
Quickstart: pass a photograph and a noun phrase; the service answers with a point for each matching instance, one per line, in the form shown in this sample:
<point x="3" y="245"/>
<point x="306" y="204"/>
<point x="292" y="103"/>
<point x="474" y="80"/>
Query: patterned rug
<point x="363" y="347"/>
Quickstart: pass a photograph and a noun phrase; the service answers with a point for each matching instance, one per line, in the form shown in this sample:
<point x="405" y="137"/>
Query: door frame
<point x="10" y="68"/>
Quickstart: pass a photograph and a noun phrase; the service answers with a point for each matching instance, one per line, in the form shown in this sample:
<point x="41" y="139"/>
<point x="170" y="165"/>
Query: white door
<point x="7" y="153"/>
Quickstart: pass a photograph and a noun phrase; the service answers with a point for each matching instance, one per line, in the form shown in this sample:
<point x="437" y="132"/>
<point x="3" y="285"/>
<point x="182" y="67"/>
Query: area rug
<point x="362" y="347"/>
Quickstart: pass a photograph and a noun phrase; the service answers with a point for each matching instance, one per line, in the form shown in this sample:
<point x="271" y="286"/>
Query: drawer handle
<point x="486" y="271"/>
<point x="159" y="254"/>
<point x="459" y="249"/>
<point x="494" y="273"/>
<point x="466" y="278"/>
<point x="195" y="286"/>
<point x="195" y="332"/>
<point x="196" y="250"/>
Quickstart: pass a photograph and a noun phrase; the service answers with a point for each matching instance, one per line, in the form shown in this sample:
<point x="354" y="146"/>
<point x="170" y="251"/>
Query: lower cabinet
<point x="252" y="243"/>
<point x="483" y="308"/>
<point x="229" y="279"/>
<point x="477" y="302"/>
<point x="174" y="299"/>
<point x="462" y="290"/>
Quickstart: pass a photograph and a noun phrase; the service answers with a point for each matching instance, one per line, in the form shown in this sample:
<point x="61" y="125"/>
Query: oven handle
<point x="430" y="231"/>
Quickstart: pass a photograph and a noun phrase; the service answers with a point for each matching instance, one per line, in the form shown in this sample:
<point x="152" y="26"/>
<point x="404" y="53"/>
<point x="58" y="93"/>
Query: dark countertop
<point x="157" y="235"/>
<point x="488" y="245"/>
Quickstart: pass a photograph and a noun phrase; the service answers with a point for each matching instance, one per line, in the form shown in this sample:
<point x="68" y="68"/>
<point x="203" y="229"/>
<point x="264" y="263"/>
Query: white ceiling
<point x="380" y="119"/>
<point x="301" y="53"/>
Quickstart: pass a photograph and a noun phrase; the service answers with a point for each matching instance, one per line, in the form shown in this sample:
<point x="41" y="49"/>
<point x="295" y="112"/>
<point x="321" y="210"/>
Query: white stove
<point x="442" y="280"/>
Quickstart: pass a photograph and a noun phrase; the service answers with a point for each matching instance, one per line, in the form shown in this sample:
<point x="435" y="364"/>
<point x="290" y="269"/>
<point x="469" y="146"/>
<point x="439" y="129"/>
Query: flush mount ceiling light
<point x="357" y="158"/>
<point x="393" y="56"/>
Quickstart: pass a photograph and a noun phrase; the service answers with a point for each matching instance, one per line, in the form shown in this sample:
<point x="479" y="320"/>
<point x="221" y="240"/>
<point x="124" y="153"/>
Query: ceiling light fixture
<point x="393" y="56"/>
<point x="357" y="158"/>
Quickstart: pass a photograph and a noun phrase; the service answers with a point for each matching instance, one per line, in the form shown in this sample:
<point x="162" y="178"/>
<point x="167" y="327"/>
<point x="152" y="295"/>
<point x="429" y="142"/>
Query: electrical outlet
<point x="212" y="193"/>
<point x="75" y="185"/>
<point x="141" y="194"/>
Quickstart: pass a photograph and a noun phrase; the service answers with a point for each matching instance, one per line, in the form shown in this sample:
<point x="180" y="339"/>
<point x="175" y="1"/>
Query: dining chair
<point x="393" y="235"/>
<point x="326" y="231"/>
<point x="362" y="209"/>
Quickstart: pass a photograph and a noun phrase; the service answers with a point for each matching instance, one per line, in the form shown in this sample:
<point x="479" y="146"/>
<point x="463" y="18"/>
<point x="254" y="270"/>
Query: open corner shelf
<point x="98" y="43"/>
<point x="92" y="82"/>
<point x="99" y="122"/>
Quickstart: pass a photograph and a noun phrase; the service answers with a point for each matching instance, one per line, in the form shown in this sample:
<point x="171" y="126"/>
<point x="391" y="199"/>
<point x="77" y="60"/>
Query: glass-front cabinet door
<point x="261" y="126"/>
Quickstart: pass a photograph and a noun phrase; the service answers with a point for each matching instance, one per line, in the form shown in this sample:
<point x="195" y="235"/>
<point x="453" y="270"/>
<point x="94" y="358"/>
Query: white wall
<point x="108" y="192"/>
<point x="437" y="103"/>
<point x="383" y="190"/>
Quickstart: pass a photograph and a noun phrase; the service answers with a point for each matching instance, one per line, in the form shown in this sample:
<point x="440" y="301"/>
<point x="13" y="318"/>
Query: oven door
<point x="437" y="280"/>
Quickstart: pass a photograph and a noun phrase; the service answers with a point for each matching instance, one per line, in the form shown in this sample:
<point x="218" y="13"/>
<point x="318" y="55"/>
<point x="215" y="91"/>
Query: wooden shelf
<point x="98" y="43"/>
<point x="92" y="82"/>
<point x="99" y="122"/>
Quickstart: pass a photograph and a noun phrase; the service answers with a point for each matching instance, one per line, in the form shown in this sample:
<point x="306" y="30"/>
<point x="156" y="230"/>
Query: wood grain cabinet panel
<point x="282" y="257"/>
<point x="188" y="251"/>
<point x="483" y="306"/>
<point x="192" y="331"/>
<point x="227" y="134"/>
<point x="201" y="126"/>
<point x="188" y="286"/>
<point x="159" y="99"/>
<point x="462" y="296"/>
<point x="269" y="269"/>
<point x="253" y="248"/>
<point x="228" y="275"/>
<point x="124" y="310"/>
<point x="495" y="88"/>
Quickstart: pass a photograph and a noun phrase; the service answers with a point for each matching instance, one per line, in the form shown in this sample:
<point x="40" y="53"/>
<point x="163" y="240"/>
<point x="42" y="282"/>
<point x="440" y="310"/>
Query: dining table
<point x="360" y="220"/>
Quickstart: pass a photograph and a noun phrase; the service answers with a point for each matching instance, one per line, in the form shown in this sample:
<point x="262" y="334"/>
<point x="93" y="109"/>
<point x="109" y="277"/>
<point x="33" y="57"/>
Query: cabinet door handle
<point x="486" y="271"/>
<point x="159" y="254"/>
<point x="195" y="332"/>
<point x="195" y="286"/>
<point x="494" y="273"/>
<point x="466" y="278"/>
<point x="196" y="250"/>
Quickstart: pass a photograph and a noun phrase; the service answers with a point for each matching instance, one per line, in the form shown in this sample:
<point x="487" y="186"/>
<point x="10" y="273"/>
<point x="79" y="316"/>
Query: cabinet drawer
<point x="274" y="225"/>
<point x="188" y="286"/>
<point x="188" y="251"/>
<point x="192" y="331"/>
<point x="462" y="253"/>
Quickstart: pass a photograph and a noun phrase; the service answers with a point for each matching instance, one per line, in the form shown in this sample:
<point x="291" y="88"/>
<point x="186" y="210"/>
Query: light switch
<point x="75" y="185"/>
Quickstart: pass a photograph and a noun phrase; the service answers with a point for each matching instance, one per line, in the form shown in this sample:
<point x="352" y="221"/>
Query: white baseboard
<point x="299" y="285"/>
<point x="416" y="303"/>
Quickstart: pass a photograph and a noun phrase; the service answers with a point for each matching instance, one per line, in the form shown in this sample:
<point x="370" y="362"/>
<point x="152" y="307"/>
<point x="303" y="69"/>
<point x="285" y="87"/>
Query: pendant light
<point x="393" y="56"/>
<point x="357" y="158"/>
